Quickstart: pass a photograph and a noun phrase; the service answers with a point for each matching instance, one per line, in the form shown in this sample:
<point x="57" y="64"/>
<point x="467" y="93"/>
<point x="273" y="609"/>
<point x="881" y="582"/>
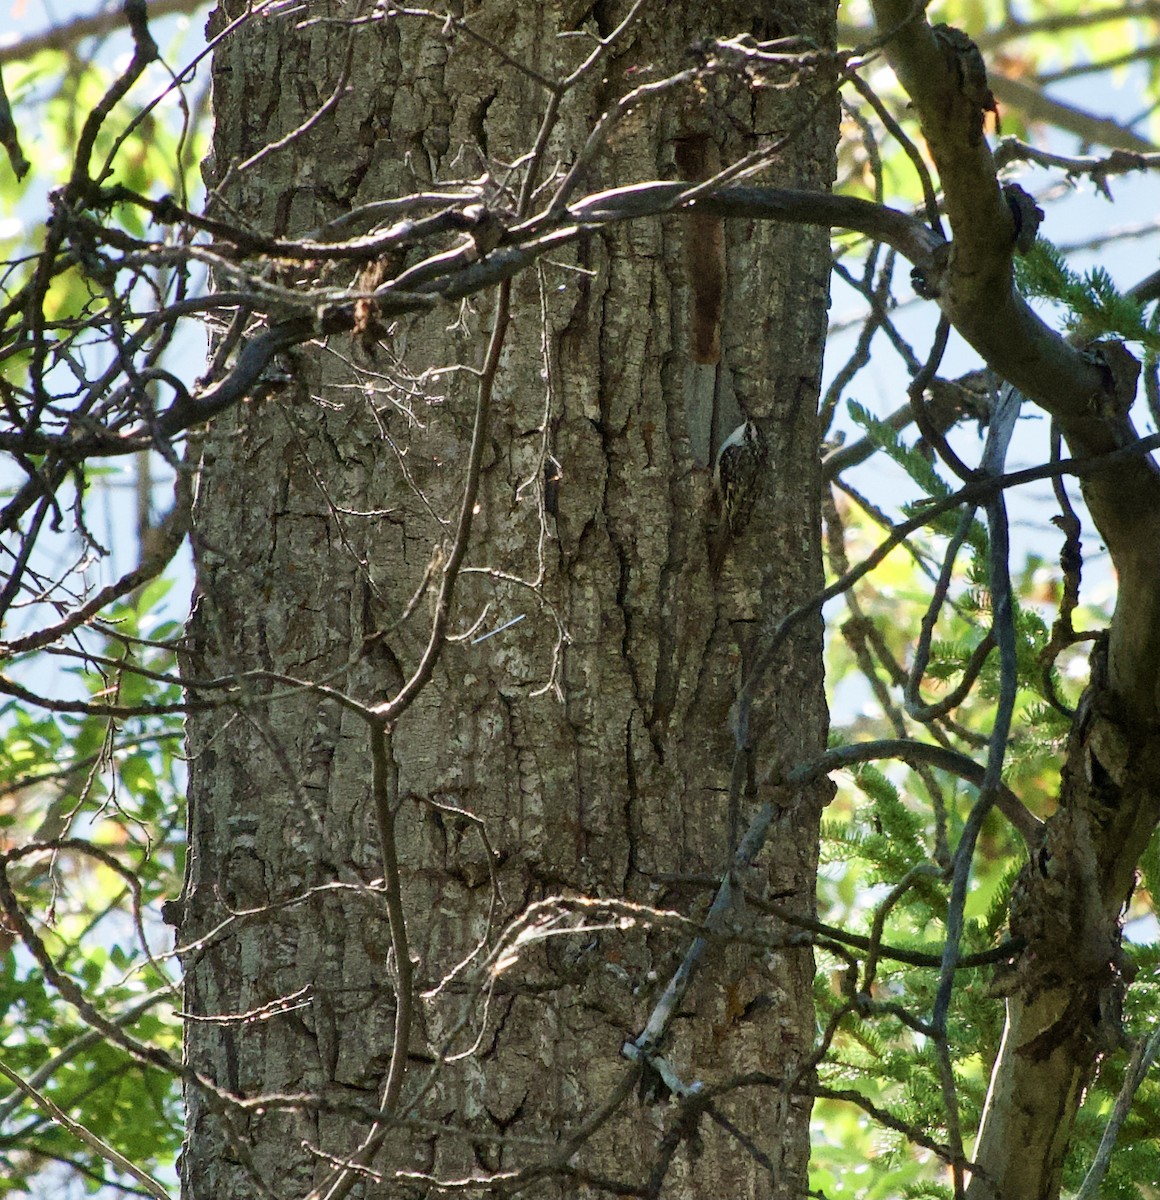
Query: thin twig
<point x="82" y="1134"/>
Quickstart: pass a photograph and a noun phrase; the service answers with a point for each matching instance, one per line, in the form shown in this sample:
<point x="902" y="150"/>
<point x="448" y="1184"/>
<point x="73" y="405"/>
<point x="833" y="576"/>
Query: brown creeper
<point x="736" y="483"/>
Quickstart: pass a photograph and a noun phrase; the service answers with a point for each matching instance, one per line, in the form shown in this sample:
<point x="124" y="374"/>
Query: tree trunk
<point x="1064" y="993"/>
<point x="584" y="750"/>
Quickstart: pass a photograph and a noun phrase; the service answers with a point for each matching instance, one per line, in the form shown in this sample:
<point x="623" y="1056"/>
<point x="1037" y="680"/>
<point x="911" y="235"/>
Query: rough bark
<point x="591" y="739"/>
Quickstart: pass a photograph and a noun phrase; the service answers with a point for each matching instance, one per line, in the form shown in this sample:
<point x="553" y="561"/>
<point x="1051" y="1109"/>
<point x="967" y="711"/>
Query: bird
<point x="736" y="485"/>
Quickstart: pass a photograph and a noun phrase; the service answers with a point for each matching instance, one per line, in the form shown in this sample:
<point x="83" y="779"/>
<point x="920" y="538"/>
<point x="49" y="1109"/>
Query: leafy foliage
<point x="71" y="780"/>
<point x="68" y="783"/>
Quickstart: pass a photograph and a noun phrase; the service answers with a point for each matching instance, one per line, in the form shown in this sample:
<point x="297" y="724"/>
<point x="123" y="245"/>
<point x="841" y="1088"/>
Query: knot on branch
<point x="483" y="226"/>
<point x="1121" y="372"/>
<point x="964" y="62"/>
<point x="1026" y="214"/>
<point x="927" y="281"/>
<point x="1058" y="908"/>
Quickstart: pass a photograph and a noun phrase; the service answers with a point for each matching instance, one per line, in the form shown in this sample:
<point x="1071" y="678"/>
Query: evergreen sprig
<point x="1095" y="305"/>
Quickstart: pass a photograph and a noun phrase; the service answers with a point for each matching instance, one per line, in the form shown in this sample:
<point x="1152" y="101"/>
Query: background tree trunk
<point x="592" y="738"/>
